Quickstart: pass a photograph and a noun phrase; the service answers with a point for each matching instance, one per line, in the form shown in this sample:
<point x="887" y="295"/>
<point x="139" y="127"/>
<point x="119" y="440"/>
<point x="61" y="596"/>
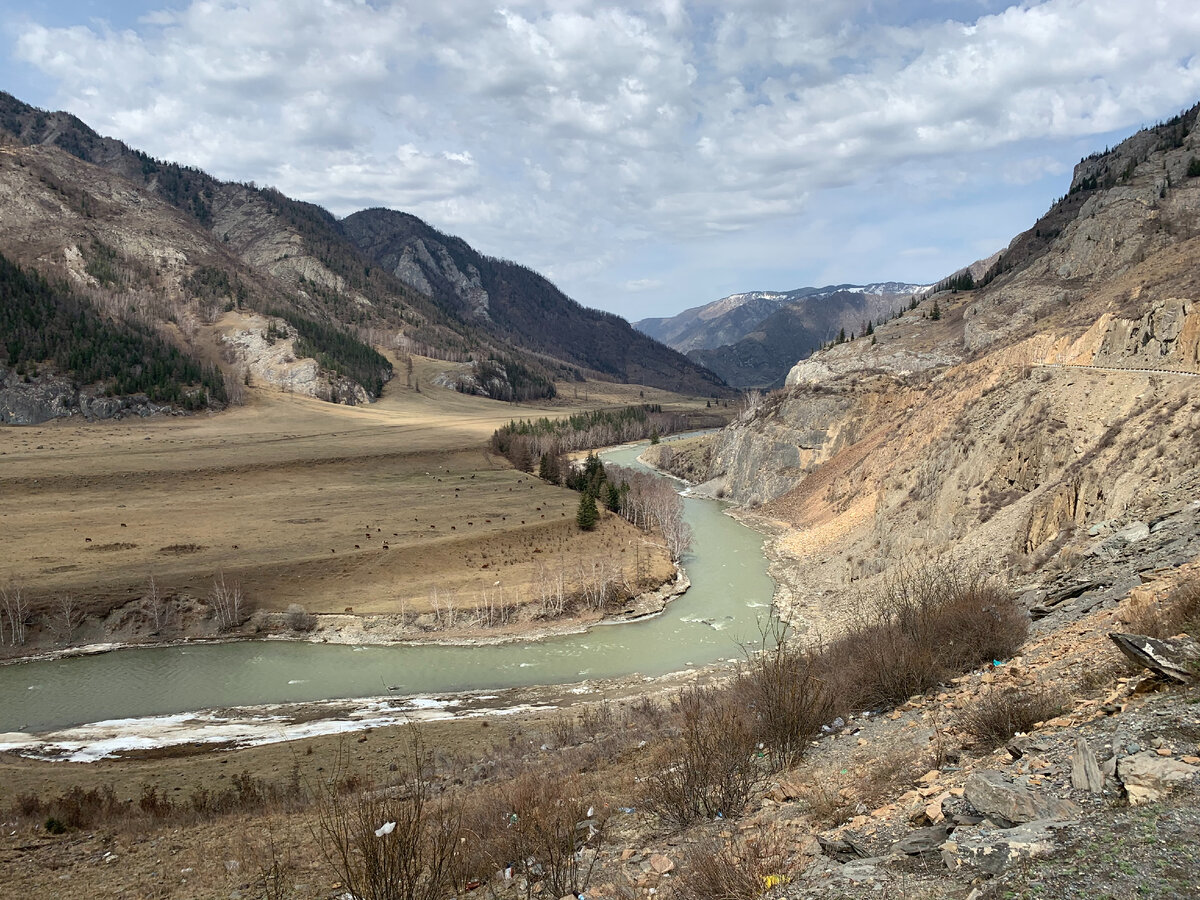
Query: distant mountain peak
<point x="752" y="338"/>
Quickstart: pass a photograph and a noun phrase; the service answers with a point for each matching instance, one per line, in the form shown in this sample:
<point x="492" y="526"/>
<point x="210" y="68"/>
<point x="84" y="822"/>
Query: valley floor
<point x="394" y="510"/>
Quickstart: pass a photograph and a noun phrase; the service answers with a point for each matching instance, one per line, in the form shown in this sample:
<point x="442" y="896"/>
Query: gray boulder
<point x="1148" y="777"/>
<point x="1010" y="804"/>
<point x="992" y="850"/>
<point x="1176" y="659"/>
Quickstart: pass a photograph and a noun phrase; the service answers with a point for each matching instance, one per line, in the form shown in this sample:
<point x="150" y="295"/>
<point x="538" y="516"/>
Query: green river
<point x="730" y="594"/>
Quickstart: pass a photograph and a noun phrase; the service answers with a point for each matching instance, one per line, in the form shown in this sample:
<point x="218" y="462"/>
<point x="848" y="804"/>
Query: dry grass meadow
<point x="301" y="501"/>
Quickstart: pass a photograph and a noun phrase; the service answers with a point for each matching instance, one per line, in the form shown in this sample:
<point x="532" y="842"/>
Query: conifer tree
<point x="586" y="516"/>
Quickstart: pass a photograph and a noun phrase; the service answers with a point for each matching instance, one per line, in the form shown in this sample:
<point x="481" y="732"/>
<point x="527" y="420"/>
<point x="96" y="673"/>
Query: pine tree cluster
<point x="44" y="324"/>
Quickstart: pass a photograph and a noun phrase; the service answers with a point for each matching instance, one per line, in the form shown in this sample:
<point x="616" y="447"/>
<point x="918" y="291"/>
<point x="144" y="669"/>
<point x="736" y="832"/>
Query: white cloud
<point x="565" y="134"/>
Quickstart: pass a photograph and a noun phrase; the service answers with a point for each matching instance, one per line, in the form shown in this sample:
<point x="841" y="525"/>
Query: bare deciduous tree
<point x="598" y="580"/>
<point x="69" y="617"/>
<point x="751" y="402"/>
<point x="227" y="601"/>
<point x="15" y="608"/>
<point x="652" y="503"/>
<point x="443" y="609"/>
<point x="551" y="589"/>
<point x="156" y="606"/>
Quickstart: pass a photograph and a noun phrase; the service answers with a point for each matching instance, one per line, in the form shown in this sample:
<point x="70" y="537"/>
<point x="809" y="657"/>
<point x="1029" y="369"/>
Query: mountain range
<point x="246" y="280"/>
<point x="751" y="339"/>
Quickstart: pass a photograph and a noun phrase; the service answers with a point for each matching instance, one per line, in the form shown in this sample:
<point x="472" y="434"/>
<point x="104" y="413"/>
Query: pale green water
<point x="730" y="593"/>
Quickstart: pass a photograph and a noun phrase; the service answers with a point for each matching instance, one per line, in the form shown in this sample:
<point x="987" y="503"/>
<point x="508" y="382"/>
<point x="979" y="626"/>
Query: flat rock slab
<point x="1085" y="771"/>
<point x="922" y="840"/>
<point x="1176" y="659"/>
<point x="993" y="850"/>
<point x="1011" y="804"/>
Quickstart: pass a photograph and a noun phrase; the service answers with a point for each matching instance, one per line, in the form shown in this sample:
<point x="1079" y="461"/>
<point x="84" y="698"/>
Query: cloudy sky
<point x="647" y="157"/>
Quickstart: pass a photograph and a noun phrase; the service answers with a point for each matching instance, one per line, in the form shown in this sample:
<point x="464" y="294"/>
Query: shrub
<point x="1193" y="167"/>
<point x="743" y="870"/>
<point x="391" y="844"/>
<point x="710" y="768"/>
<point x="789" y="700"/>
<point x="837" y="792"/>
<point x="540" y="826"/>
<point x="1178" y="611"/>
<point x="927" y="624"/>
<point x="75" y="808"/>
<point x="1001" y="713"/>
<point x="299" y="619"/>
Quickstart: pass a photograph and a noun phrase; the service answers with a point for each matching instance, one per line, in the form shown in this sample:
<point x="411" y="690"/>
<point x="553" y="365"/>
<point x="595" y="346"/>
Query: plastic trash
<point x="385" y="828"/>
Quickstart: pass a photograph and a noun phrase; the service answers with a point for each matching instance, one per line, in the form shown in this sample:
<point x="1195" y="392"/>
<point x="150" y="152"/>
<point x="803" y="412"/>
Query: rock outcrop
<point x="44" y="398"/>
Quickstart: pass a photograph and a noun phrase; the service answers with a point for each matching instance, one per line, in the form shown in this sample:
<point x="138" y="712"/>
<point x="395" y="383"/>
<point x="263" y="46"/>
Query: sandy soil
<point x="332" y="507"/>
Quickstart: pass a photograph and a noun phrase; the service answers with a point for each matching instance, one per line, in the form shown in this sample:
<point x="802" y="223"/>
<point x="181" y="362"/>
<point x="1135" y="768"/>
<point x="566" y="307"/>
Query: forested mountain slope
<point x="518" y="305"/>
<point x="274" y="290"/>
<point x="752" y="339"/>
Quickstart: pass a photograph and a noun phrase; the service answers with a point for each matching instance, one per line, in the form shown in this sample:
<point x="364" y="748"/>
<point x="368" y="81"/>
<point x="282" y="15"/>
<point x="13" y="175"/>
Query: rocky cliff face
<point x="264" y="349"/>
<point x="1016" y="426"/>
<point x="33" y="401"/>
<point x="516" y="305"/>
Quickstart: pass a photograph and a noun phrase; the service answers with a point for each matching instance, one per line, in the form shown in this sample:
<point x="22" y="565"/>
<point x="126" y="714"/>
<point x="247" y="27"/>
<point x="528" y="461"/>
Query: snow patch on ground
<point x="245" y="727"/>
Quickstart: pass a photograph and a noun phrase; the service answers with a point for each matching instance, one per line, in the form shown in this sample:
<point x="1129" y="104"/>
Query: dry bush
<point x="1184" y="603"/>
<point x="889" y="775"/>
<point x="829" y="803"/>
<point x="1178" y="611"/>
<point x="245" y="794"/>
<point x="710" y="767"/>
<point x="1000" y="713"/>
<point x="101" y="807"/>
<point x="1103" y="674"/>
<point x="834" y="795"/>
<point x="299" y="619"/>
<point x="742" y="870"/>
<point x="596" y="719"/>
<point x="643" y="712"/>
<point x="272" y="863"/>
<point x="76" y="808"/>
<point x="542" y="828"/>
<point x="392" y="844"/>
<point x="562" y="729"/>
<point x="927" y="624"/>
<point x="789" y="699"/>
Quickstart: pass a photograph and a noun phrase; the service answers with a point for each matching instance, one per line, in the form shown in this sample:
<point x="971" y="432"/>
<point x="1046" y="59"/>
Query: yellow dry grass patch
<point x="296" y="498"/>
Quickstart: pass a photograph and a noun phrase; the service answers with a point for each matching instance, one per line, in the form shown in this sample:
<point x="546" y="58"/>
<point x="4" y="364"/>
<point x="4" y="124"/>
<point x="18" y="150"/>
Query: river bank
<point x="384" y="630"/>
<point x="723" y="611"/>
